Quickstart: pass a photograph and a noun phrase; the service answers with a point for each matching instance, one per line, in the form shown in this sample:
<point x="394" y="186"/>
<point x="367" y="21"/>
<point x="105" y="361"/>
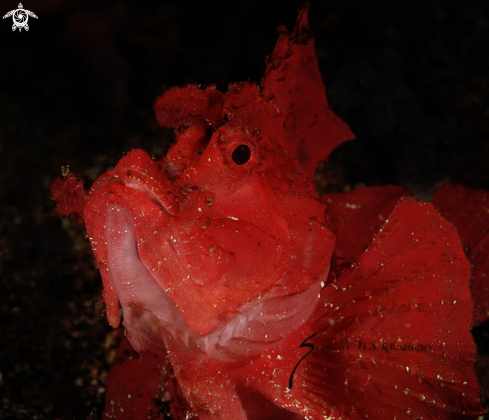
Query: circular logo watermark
<point x="20" y="17"/>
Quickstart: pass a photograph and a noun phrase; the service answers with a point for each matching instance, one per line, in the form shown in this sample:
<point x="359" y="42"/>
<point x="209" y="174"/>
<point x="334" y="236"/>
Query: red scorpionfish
<point x="220" y="255"/>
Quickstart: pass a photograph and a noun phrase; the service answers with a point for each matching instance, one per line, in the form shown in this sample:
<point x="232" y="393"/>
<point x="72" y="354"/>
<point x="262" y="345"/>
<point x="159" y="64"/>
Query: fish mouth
<point x="169" y="276"/>
<point x="175" y="250"/>
<point x="203" y="260"/>
<point x="151" y="316"/>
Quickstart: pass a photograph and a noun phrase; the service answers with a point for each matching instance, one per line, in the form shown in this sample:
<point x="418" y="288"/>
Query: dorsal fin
<point x="295" y="92"/>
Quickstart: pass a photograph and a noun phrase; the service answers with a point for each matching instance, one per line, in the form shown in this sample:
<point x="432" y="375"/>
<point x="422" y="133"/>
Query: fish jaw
<point x="156" y="266"/>
<point x="151" y="315"/>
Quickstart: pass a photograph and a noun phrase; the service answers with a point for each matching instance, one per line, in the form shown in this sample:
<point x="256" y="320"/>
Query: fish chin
<point x="151" y="317"/>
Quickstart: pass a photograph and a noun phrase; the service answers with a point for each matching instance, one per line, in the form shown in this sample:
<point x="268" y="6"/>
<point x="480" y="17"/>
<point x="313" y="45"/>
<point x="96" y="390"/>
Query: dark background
<point x="411" y="80"/>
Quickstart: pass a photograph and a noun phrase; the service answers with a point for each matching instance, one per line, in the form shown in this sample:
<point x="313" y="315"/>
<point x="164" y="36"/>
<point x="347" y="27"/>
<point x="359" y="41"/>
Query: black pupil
<point x="241" y="154"/>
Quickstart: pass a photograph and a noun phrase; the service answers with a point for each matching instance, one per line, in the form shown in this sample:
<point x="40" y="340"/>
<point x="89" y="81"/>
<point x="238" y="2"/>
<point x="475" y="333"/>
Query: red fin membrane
<point x="393" y="335"/>
<point x="355" y="217"/>
<point x="143" y="386"/>
<point x="468" y="210"/>
<point x="296" y="97"/>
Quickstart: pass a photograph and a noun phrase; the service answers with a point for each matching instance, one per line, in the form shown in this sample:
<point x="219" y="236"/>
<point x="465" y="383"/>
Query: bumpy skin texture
<point x="219" y="256"/>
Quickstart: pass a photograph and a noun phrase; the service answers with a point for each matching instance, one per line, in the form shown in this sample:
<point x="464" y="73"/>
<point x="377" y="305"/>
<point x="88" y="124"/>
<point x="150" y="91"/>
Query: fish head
<point x="221" y="246"/>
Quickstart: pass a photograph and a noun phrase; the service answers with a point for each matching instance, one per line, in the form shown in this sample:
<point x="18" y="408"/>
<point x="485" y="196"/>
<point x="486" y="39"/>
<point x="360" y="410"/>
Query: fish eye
<point x="241" y="154"/>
